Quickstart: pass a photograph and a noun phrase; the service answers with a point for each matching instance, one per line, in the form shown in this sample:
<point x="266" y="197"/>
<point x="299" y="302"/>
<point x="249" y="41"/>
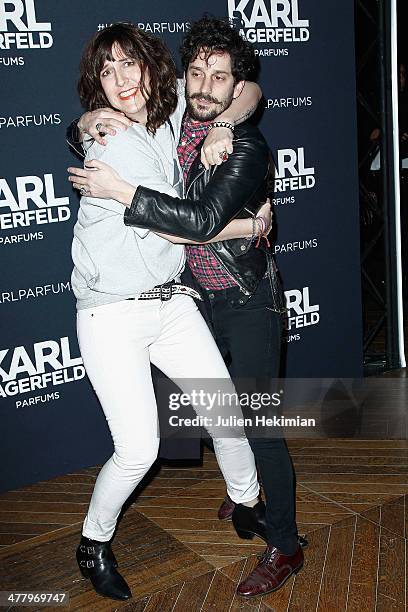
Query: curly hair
<point x="153" y="57"/>
<point x="214" y="35"/>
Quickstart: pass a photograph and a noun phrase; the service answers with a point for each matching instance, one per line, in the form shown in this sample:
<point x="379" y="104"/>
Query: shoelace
<point x="267" y="556"/>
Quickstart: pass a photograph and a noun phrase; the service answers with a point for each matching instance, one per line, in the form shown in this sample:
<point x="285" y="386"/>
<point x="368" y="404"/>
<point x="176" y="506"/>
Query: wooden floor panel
<point x="333" y="590"/>
<point x="352" y="502"/>
<point x="190" y="516"/>
<point x="149" y="557"/>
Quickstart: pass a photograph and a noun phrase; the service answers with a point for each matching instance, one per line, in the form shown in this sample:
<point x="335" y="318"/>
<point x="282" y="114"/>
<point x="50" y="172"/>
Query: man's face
<point x="210" y="86"/>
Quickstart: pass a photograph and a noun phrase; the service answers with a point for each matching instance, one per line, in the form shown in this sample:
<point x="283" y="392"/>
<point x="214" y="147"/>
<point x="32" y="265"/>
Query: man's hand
<point x="98" y="180"/>
<point x="218" y="141"/>
<point x="107" y="120"/>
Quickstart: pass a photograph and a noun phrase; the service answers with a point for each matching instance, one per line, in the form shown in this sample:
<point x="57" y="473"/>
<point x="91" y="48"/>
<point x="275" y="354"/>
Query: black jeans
<point x="248" y="334"/>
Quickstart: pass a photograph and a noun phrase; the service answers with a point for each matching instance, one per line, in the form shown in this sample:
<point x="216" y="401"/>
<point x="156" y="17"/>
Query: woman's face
<point x="120" y="80"/>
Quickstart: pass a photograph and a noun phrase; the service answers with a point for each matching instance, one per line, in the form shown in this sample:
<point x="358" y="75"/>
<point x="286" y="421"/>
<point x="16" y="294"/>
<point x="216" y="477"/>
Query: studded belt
<point x="166" y="291"/>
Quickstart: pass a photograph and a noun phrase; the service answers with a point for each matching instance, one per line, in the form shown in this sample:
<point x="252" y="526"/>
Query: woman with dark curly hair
<point x="132" y="310"/>
<point x="154" y="71"/>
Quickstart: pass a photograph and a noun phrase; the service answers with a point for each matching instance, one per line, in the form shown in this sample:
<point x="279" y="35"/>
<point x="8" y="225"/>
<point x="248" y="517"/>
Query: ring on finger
<point x="223" y="155"/>
<point x="84" y="191"/>
<point x="99" y="127"/>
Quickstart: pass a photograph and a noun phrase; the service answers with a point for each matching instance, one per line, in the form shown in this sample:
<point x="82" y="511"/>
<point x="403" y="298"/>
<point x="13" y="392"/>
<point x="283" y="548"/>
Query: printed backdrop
<point x="51" y="421"/>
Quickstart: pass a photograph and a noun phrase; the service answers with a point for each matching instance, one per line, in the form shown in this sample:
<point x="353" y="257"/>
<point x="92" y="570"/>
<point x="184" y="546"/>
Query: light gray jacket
<point x="112" y="261"/>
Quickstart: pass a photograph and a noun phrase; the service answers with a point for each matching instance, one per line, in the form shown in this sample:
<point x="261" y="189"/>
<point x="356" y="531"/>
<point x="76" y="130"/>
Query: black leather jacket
<point x="212" y="199"/>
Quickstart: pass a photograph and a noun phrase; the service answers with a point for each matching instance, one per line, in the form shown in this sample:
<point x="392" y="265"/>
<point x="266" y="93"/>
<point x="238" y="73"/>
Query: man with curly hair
<point x="239" y="281"/>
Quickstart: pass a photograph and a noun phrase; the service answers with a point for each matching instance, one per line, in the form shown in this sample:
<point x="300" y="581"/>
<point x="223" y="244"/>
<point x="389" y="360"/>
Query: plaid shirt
<point x="206" y="268"/>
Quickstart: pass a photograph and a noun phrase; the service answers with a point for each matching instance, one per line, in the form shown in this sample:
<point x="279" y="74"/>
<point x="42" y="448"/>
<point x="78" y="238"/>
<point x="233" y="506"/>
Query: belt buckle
<point x="166" y="292"/>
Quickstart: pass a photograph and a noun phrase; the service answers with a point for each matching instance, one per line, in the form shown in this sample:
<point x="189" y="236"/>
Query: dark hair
<point x="152" y="55"/>
<point x="212" y="35"/>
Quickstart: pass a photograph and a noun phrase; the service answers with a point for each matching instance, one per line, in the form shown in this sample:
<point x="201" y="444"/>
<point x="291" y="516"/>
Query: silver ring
<point x="99" y="127"/>
<point x="83" y="191"/>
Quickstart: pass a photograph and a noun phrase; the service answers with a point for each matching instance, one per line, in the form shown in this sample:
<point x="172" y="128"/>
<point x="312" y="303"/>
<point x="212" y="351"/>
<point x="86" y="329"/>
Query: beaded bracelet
<point x="254" y="232"/>
<point x="222" y="124"/>
<point x="256" y="229"/>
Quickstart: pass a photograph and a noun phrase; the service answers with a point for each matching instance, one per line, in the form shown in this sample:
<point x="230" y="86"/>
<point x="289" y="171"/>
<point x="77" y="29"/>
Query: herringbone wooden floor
<point x="352" y="502"/>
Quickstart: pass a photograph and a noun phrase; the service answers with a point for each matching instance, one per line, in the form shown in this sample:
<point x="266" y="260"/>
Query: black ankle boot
<point x="250" y="522"/>
<point x="97" y="562"/>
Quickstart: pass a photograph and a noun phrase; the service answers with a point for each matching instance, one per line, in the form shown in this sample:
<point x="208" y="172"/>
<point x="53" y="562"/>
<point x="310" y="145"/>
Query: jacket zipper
<point x="244" y="291"/>
<point x="193" y="181"/>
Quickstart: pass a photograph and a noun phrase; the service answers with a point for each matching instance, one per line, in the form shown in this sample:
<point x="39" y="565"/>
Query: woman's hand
<point x="98" y="180"/>
<point x="107" y="120"/>
<point x="215" y="146"/>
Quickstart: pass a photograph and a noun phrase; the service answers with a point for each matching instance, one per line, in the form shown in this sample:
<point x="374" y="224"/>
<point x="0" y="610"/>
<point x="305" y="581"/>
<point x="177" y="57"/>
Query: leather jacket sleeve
<point x="73" y="138"/>
<point x="229" y="190"/>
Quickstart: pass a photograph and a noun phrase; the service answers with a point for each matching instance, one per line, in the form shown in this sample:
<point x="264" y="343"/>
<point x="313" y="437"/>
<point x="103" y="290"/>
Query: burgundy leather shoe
<point x="226" y="509"/>
<point x="272" y="571"/>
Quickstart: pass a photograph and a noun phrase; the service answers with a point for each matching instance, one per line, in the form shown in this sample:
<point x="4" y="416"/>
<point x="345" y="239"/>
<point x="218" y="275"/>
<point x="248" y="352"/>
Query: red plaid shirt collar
<point x="196" y="126"/>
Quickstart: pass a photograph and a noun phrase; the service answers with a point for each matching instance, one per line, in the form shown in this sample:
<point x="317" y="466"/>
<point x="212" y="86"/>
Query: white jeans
<point x="118" y="341"/>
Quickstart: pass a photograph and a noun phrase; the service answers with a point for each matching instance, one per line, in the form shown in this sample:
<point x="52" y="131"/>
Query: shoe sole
<point x="87" y="577"/>
<point x="294" y="572"/>
<point x="248" y="535"/>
